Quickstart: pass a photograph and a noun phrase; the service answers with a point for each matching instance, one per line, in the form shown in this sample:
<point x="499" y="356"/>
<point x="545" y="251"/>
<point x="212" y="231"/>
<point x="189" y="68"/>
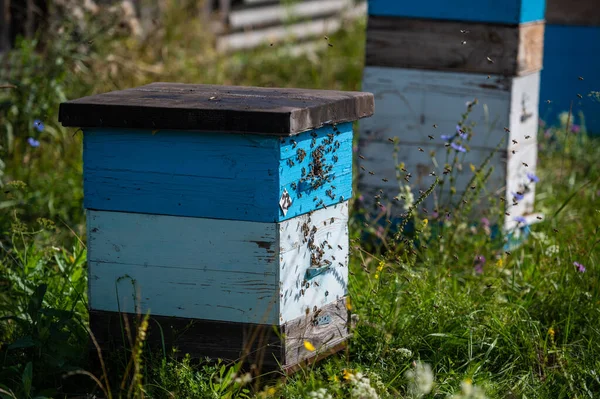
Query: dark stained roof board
<point x="233" y="109"/>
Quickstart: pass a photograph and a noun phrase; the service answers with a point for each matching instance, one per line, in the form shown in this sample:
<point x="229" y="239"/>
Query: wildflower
<point x="244" y="379"/>
<point x="517" y="197"/>
<point x="575" y="128"/>
<point x="499" y="262"/>
<point x="38" y="125"/>
<point x="446" y="137"/>
<point x="320" y="393"/>
<point x="420" y="379"/>
<point x="472" y="168"/>
<point x="310" y="347"/>
<point x="552" y="250"/>
<point x="463" y="135"/>
<point x="33" y="142"/>
<point x="532" y="177"/>
<point x="334" y="378"/>
<point x="361" y="198"/>
<point x="380" y="266"/>
<point x="405" y="353"/>
<point x="425" y="222"/>
<point x="520" y="219"/>
<point x="579" y="266"/>
<point x="479" y="262"/>
<point x="361" y="387"/>
<point x="551" y="333"/>
<point x="458" y="147"/>
<point x="347" y="374"/>
<point x="485" y="221"/>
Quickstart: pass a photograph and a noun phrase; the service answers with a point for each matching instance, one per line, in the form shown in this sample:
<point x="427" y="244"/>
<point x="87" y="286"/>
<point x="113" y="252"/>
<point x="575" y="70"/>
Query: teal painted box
<point x="224" y="207"/>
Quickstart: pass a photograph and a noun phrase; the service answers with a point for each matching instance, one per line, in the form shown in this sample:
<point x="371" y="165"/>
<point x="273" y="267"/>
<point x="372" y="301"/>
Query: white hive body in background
<point x="224" y="209"/>
<point x="425" y="63"/>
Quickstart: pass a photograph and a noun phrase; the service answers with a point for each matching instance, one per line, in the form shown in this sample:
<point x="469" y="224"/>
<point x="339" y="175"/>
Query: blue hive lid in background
<point x="213" y="108"/>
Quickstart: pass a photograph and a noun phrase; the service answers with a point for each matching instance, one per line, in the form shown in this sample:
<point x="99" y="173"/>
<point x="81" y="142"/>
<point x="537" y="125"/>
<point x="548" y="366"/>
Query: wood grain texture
<point x="236" y="177"/>
<point x="565" y="48"/>
<point x="300" y="294"/>
<point x="266" y="346"/>
<point x="409" y="104"/>
<point x="440" y="45"/>
<point x="573" y="12"/>
<point x="504" y="12"/>
<point x="183" y="267"/>
<point x="322" y="336"/>
<point x="212" y="108"/>
<point x="214" y="269"/>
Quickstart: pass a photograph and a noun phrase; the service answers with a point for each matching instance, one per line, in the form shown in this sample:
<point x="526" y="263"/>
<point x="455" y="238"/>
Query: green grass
<point x="527" y="326"/>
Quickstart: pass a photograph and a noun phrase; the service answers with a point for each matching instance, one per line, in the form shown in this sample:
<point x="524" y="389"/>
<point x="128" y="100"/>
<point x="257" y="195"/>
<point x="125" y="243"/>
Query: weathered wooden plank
<point x="300" y="292"/>
<point x="255" y="343"/>
<point x="505" y="12"/>
<point x="324" y="329"/>
<point x="298" y="31"/>
<point x="410" y="102"/>
<point x="242" y="271"/>
<point x="212" y="108"/>
<point x="229" y="275"/>
<point x="573" y="12"/>
<point x="202" y="175"/>
<point x="440" y="45"/>
<point x="266" y="346"/>
<point x="565" y="48"/>
<point x="252" y="17"/>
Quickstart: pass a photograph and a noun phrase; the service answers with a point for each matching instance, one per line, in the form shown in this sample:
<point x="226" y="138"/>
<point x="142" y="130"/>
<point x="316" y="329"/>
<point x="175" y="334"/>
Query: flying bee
<point x="294" y="144"/>
<point x="507" y="252"/>
<point x="391" y="140"/>
<point x="396" y="199"/>
<point x="514" y="141"/>
<point x="404" y="170"/>
<point x="420" y="149"/>
<point x="463" y="42"/>
<point x="548" y="101"/>
<point x="388" y="221"/>
<point x="579" y="95"/>
<point x="539" y="217"/>
<point x="455" y="257"/>
<point x="581" y="78"/>
<point x="371" y="173"/>
<point x="363" y="168"/>
<point x="514" y="152"/>
<point x="432" y="173"/>
<point x="490" y="60"/>
<point x="507" y="130"/>
<point x="434" y="126"/>
<point x="488" y="76"/>
<point x="555" y="230"/>
<point x="524" y="164"/>
<point x="361" y="157"/>
<point x="473" y="187"/>
<point x="507" y="213"/>
<point x="330" y="45"/>
<point x="385" y="180"/>
<point x="340" y="247"/>
<point x="425" y="211"/>
<point x="430" y="137"/>
<point x="527" y="137"/>
<point x="464" y="31"/>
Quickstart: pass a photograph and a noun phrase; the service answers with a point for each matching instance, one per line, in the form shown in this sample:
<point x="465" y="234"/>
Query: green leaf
<point x="25" y="342"/>
<point x="27" y="378"/>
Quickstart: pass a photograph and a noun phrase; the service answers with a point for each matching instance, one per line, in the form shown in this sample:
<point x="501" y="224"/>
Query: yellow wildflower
<point x="347" y="374"/>
<point x="499" y="262"/>
<point x="381" y="265"/>
<point x="334" y="378"/>
<point x="425" y="222"/>
<point x="309" y="346"/>
<point x="401" y="166"/>
<point x="472" y="168"/>
<point x="551" y="333"/>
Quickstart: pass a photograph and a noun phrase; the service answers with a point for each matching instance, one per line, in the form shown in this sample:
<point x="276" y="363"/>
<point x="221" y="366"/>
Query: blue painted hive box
<point x="222" y="206"/>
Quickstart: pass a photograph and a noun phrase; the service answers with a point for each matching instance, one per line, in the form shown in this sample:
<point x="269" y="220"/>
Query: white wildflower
<point x="405" y="353"/>
<point x="469" y="391"/>
<point x="244" y="379"/>
<point x="361" y="387"/>
<point x="420" y="379"/>
<point x="552" y="250"/>
<point x="320" y="393"/>
<point x="409" y="198"/>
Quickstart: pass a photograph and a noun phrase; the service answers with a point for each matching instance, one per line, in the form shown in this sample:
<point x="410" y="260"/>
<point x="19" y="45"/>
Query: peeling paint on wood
<point x="215" y="269"/>
<point x="182" y="173"/>
<point x="410" y="102"/>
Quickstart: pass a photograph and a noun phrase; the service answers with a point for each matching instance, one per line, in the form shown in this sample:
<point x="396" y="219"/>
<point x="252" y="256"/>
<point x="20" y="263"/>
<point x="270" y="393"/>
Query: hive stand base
<point x="262" y="348"/>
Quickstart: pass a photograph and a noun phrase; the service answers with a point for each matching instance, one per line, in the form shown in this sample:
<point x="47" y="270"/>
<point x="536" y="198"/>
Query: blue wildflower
<point x="33" y="142"/>
<point x="458" y="147"/>
<point x="520" y="219"/>
<point x="38" y="125"/>
<point x="517" y="196"/>
<point x="532" y="178"/>
<point x="446" y="137"/>
<point x="463" y="135"/>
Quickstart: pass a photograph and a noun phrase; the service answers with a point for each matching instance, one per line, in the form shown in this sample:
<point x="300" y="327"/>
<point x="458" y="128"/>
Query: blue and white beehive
<point x="570" y="80"/>
<point x="222" y="206"/>
<point x="425" y="62"/>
